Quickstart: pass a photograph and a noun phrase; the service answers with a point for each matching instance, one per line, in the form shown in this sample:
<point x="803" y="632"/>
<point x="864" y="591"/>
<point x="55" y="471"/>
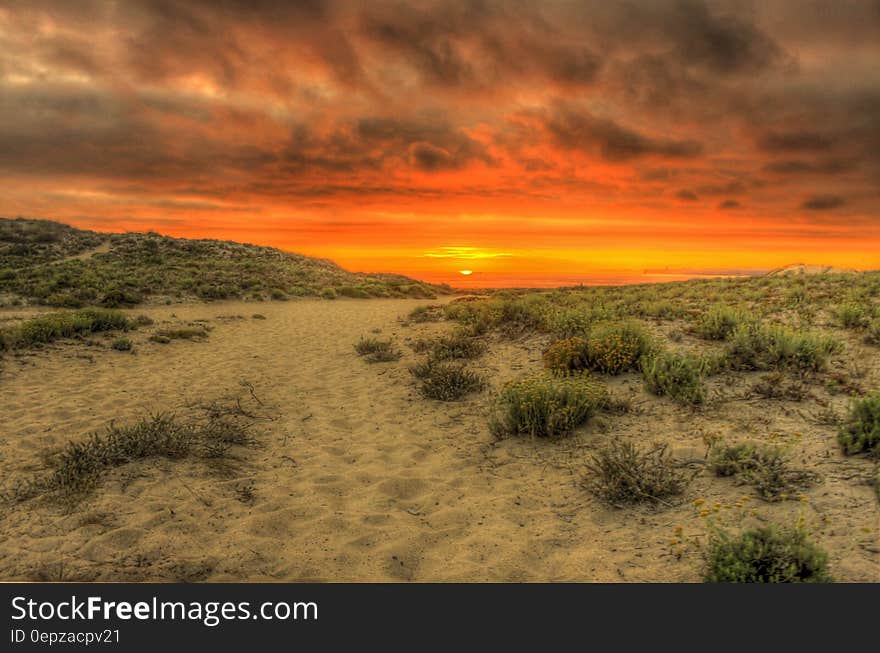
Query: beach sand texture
<point x="359" y="478"/>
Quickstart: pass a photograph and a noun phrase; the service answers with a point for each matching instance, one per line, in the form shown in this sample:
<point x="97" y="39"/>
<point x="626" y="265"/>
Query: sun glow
<point x="466" y="273"/>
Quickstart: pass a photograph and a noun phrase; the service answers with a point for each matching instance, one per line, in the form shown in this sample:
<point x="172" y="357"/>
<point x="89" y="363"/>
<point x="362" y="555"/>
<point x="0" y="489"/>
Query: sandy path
<point x="357" y="479"/>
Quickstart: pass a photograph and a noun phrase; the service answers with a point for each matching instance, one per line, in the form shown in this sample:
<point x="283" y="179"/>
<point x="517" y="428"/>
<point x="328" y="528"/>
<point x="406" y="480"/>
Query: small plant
<point x="545" y="406"/>
<point x="180" y="334"/>
<point x="616" y="348"/>
<point x="720" y="322"/>
<point x="328" y="293"/>
<point x="566" y="356"/>
<point x="122" y="344"/>
<point x="446" y="381"/>
<point x="377" y="351"/>
<point x="258" y="316"/>
<point x="766" y="555"/>
<point x="675" y="375"/>
<point x="860" y="432"/>
<point x="623" y="473"/>
<point x="765" y="468"/>
<point x="777" y="386"/>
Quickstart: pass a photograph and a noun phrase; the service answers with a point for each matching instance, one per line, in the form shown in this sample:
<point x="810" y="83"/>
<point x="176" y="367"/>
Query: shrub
<point x="446" y="381"/>
<point x="429" y="313"/>
<point x="861" y="430"/>
<point x="52" y="326"/>
<point x="675" y="375"/>
<point x="756" y="347"/>
<point x="258" y="316"/>
<point x="566" y="356"/>
<point x="377" y="351"/>
<point x="720" y="322"/>
<point x="851" y="315"/>
<point x="328" y="293"/>
<point x="458" y="345"/>
<point x="766" y="555"/>
<point x="616" y="348"/>
<point x="546" y="406"/>
<point x="122" y="344"/>
<point x="622" y="473"/>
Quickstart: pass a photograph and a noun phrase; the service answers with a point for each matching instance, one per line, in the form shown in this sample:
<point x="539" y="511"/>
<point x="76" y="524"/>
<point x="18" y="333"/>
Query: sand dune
<point x="357" y="478"/>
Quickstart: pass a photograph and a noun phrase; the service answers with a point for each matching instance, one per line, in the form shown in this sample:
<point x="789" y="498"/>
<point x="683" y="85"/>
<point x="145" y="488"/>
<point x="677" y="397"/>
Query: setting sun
<point x="466" y="273"/>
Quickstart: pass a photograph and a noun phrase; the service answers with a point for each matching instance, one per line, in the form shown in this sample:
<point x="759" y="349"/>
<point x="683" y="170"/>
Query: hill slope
<point x="45" y="262"/>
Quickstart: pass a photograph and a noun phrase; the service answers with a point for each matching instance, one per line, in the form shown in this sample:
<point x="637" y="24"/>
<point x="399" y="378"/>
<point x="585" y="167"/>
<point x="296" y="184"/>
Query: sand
<point x="358" y="478"/>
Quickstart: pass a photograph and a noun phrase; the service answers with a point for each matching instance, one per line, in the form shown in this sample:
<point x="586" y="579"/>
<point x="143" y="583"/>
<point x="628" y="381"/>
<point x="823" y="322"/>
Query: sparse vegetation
<point x="456" y="346"/>
<point x="122" y="344"/>
<point x="622" y="473"/>
<point x="768" y="554"/>
<point x="763" y="467"/>
<point x="430" y="313"/>
<point x="566" y="356"/>
<point x="54" y="326"/>
<point x="756" y="347"/>
<point x="544" y="406"/>
<point x="375" y="350"/>
<point x="721" y="321"/>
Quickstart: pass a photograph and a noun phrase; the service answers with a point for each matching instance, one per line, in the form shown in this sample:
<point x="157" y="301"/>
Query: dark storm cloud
<point x="823" y="202"/>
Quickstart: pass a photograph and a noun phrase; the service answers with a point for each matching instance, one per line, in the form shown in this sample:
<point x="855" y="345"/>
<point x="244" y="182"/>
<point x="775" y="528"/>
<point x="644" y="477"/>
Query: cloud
<point x="728" y="205"/>
<point x="687" y="196"/>
<point x="823" y="202"/>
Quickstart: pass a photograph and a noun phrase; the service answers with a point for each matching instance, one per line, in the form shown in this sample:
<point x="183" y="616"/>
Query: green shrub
<point x="622" y="473"/>
<point x="679" y="376"/>
<point x="566" y="356"/>
<point x="446" y="381"/>
<point x="756" y="347"/>
<point x="721" y="321"/>
<point x="861" y="430"/>
<point x="546" y="406"/>
<point x="616" y="348"/>
<point x="851" y="315"/>
<point x="328" y="293"/>
<point x="122" y="344"/>
<point x="52" y="326"/>
<point x="377" y="351"/>
<point x="766" y="555"/>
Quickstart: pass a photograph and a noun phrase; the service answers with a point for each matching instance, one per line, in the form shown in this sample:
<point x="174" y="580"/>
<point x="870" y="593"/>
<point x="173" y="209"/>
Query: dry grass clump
<point x="545" y="406"/>
<point x="764" y="468"/>
<point x="679" y="376"/>
<point x="872" y="333"/>
<point x="860" y="432"/>
<point x="375" y="350"/>
<point x="622" y="473"/>
<point x="776" y="385"/>
<point x="430" y="313"/>
<point x="446" y="381"/>
<point x="769" y="554"/>
<point x="53" y="326"/>
<point x="122" y="344"/>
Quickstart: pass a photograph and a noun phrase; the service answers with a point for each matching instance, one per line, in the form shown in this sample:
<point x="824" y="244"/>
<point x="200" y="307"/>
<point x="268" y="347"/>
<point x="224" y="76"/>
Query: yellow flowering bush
<point x="566" y="356"/>
<point x="616" y="348"/>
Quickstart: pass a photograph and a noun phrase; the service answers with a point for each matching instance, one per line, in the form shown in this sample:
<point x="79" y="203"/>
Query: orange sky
<point x="532" y="143"/>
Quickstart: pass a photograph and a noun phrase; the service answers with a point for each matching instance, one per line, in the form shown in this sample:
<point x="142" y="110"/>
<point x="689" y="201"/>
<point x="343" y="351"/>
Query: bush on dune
<point x="53" y="326"/>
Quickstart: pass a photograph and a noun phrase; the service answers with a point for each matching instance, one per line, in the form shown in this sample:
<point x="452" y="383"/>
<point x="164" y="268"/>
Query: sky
<point x="530" y="143"/>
